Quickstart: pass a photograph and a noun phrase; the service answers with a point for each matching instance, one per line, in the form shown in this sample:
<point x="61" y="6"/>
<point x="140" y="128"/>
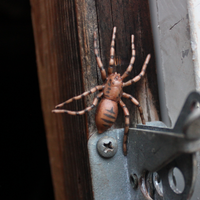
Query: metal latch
<point x="155" y="152"/>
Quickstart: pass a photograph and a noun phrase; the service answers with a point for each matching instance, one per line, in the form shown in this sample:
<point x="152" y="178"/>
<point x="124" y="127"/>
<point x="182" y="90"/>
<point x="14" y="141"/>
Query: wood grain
<point x="63" y="31"/>
<point x="60" y="76"/>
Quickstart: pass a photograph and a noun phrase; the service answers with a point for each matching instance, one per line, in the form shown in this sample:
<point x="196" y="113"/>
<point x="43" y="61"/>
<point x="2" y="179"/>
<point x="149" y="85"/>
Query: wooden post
<point x="63" y="31"/>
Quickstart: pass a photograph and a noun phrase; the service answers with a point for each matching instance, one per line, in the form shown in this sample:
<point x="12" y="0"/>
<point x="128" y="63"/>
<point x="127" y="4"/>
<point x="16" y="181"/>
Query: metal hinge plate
<point x="153" y="152"/>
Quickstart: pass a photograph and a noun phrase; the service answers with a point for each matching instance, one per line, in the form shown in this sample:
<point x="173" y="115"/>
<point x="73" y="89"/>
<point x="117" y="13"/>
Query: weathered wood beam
<point x="60" y="76"/>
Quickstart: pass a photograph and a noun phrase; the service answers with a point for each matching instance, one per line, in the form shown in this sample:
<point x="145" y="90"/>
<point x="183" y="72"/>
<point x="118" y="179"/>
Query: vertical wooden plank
<point x="87" y="25"/>
<point x="60" y="77"/>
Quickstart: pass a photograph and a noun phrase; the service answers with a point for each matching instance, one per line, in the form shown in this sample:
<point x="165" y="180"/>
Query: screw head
<point x="107" y="146"/>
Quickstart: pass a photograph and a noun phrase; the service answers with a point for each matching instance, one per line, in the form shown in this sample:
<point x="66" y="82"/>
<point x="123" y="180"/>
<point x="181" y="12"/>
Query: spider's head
<point x="115" y="80"/>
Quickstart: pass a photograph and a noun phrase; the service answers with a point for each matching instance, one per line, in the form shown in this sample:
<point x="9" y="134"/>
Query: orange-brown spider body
<point x="111" y="92"/>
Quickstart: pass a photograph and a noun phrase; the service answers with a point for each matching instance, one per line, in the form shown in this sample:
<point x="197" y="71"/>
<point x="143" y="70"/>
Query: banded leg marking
<point x="138" y="77"/>
<point x="98" y="59"/>
<point x="126" y="128"/>
<point x="130" y="67"/>
<point x="99" y="87"/>
<point x="96" y="99"/>
<point x="112" y="52"/>
<point x="128" y="96"/>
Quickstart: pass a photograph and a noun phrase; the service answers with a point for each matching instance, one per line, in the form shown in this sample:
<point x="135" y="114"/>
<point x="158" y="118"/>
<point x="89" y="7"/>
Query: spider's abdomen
<point x="106" y="114"/>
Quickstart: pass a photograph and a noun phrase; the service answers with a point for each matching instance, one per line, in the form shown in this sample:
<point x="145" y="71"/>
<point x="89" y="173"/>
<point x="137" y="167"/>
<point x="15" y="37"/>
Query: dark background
<point x="25" y="170"/>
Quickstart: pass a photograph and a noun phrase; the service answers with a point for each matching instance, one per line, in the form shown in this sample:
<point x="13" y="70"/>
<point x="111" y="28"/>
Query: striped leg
<point x="99" y="62"/>
<point x="99" y="87"/>
<point x="128" y="96"/>
<point x="126" y="114"/>
<point x="130" y="67"/>
<point x="96" y="99"/>
<point x="138" y="77"/>
<point x="112" y="52"/>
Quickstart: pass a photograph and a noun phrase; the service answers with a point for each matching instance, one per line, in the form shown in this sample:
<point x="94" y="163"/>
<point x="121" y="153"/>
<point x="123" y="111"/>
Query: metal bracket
<point x="154" y="152"/>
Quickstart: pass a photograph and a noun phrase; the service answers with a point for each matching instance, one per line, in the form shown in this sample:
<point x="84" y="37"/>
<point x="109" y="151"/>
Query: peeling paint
<point x="194" y="19"/>
<point x="185" y="53"/>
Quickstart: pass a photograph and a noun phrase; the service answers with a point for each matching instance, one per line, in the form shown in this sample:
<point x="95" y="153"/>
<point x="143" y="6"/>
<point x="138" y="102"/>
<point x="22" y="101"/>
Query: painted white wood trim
<point x="176" y="33"/>
<point x="174" y="55"/>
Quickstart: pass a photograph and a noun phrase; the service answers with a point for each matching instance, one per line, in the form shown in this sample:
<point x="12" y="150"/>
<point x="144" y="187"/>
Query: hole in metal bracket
<point x="176" y="180"/>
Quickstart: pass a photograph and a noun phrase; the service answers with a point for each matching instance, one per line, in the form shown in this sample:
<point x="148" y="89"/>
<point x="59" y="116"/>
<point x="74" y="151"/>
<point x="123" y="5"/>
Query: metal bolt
<point x="107" y="146"/>
<point x="134" y="180"/>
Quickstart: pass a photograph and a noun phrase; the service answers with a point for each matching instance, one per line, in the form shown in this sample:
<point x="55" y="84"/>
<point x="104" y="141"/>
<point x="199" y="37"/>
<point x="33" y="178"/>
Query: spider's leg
<point x="138" y="77"/>
<point x="112" y="52"/>
<point x="130" y="67"/>
<point x="128" y="96"/>
<point x="126" y="114"/>
<point x="99" y="62"/>
<point x="98" y="87"/>
<point x="82" y="111"/>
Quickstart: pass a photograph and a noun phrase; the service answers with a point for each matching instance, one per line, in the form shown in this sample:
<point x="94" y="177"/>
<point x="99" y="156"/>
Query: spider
<point x="111" y="92"/>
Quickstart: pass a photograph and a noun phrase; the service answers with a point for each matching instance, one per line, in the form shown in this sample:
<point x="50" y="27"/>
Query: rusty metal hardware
<point x="155" y="154"/>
